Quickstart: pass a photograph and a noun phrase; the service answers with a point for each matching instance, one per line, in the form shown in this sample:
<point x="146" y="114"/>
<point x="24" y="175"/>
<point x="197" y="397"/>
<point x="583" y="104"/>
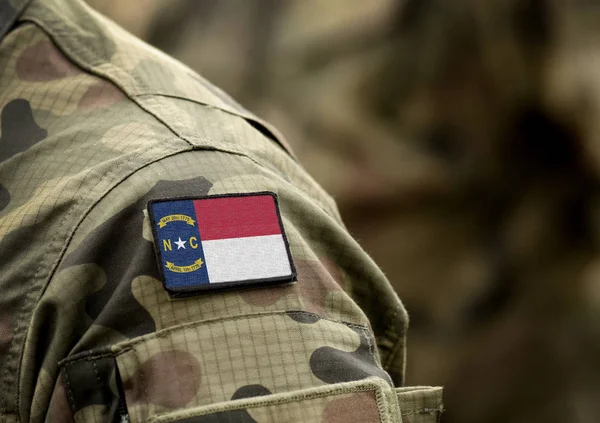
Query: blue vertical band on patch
<point x="178" y="242"/>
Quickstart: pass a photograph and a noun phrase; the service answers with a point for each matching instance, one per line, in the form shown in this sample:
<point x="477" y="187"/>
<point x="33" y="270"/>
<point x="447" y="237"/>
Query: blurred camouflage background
<point x="460" y="139"/>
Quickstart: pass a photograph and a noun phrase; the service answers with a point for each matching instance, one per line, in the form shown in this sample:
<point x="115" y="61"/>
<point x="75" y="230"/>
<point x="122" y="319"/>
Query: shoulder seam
<point x="135" y="97"/>
<point x="140" y="87"/>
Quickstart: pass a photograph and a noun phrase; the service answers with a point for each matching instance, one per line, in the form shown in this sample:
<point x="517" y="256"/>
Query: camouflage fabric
<point x="459" y="139"/>
<point x="94" y="124"/>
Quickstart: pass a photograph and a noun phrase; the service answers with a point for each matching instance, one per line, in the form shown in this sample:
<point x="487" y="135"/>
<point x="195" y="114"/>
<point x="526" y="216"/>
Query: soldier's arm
<point x="143" y="353"/>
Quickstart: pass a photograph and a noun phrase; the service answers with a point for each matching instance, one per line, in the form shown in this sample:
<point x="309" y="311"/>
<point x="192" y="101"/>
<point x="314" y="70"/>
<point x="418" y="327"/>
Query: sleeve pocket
<point x="271" y="367"/>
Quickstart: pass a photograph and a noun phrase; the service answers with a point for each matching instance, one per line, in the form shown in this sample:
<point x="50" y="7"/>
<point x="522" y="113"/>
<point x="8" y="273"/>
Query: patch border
<point x="183" y="292"/>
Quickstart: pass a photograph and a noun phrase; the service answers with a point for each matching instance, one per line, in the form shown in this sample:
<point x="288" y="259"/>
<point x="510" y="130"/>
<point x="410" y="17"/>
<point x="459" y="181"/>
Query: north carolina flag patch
<point x="220" y="242"/>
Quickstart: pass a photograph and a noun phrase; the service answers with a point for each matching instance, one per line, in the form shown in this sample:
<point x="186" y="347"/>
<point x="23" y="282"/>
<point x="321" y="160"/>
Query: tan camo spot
<point x="149" y="292"/>
<point x="91" y="413"/>
<point x="147" y="228"/>
<point x="34" y="208"/>
<point x="339" y="307"/>
<point x="58" y="97"/>
<point x="128" y="136"/>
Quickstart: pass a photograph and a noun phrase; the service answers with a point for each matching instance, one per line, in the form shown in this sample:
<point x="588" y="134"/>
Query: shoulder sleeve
<point x="339" y="323"/>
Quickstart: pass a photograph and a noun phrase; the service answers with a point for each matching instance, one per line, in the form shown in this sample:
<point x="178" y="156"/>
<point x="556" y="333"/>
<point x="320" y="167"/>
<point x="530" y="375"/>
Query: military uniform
<point x="95" y="125"/>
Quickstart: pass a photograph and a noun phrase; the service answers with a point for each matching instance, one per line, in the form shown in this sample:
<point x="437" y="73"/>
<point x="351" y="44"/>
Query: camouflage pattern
<point x="94" y="124"/>
<point x="459" y="139"/>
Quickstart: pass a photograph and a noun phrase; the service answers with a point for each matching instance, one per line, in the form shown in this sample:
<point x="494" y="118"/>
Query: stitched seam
<point x="381" y="405"/>
<point x="392" y="327"/>
<point x="367" y="335"/>
<point x="372" y="352"/>
<point x="87" y="358"/>
<point x="100" y="383"/>
<point x="232" y="111"/>
<point x="70" y="396"/>
<point x="393" y="407"/>
<point x="397" y="343"/>
<point x="247" y="116"/>
<point x="173" y="113"/>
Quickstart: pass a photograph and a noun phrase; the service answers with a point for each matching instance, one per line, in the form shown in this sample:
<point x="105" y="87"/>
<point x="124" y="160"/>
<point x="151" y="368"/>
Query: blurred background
<point x="460" y="139"/>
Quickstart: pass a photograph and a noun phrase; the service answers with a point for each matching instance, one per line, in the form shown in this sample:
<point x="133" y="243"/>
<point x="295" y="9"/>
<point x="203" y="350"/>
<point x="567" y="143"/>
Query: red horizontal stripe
<point x="237" y="217"/>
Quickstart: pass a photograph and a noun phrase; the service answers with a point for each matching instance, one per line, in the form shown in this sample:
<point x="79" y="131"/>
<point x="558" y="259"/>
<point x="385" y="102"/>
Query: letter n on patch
<point x="220" y="242"/>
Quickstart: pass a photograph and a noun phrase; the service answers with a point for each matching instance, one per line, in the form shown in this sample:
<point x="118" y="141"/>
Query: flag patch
<point x="220" y="242"/>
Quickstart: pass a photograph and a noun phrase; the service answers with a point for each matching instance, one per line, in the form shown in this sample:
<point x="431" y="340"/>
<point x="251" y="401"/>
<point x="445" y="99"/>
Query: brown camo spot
<point x="59" y="411"/>
<point x="334" y="271"/>
<point x="170" y="379"/>
<point x="356" y="408"/>
<point x="314" y="285"/>
<point x="100" y="94"/>
<point x="44" y="62"/>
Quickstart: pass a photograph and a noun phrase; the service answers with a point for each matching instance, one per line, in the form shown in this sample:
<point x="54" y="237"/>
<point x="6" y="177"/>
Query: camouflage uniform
<point x="94" y="124"/>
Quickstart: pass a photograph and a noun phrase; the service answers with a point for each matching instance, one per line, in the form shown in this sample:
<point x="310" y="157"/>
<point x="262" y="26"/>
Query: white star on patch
<point x="180" y="244"/>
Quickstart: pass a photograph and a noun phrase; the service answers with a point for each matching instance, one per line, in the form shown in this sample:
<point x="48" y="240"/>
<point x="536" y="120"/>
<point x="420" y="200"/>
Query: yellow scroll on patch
<point x="184" y="269"/>
<point x="173" y="217"/>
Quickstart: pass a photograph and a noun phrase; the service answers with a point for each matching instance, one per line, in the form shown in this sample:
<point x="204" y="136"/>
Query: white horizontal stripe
<point x="240" y="259"/>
